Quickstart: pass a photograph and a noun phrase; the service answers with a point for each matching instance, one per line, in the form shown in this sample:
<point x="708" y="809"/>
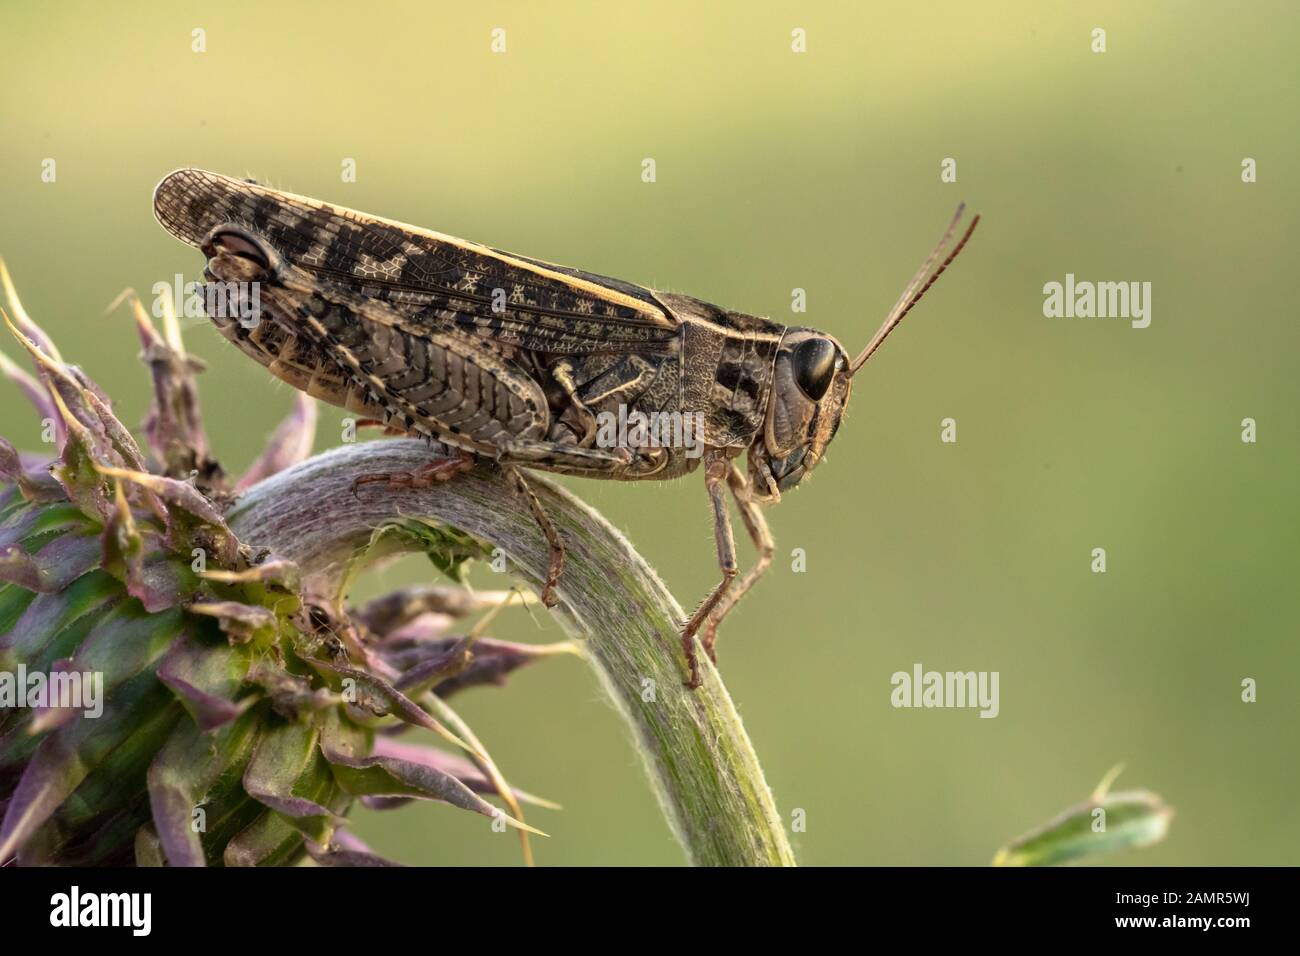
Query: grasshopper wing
<point x="432" y="280"/>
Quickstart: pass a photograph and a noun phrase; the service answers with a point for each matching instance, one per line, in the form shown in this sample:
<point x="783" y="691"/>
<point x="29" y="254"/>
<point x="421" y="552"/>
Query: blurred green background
<point x="819" y="170"/>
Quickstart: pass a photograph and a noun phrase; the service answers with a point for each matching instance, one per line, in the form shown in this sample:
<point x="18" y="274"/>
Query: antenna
<point x="915" y="288"/>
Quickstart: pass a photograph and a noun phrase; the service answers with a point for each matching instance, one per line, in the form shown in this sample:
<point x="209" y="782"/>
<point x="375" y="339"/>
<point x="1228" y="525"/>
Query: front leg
<point x="716" y="469"/>
<point x="761" y="536"/>
<point x="562" y="372"/>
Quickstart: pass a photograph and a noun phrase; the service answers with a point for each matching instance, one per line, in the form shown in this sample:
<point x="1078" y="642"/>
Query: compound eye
<point x="814" y="367"/>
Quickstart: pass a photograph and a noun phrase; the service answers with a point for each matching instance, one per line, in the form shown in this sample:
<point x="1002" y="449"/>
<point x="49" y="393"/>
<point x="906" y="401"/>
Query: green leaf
<point x="65" y="758"/>
<point x="288" y="775"/>
<point x="448" y="548"/>
<point x="270" y="840"/>
<point x="1105" y="822"/>
<point x="184" y="775"/>
<point x="53" y="625"/>
<point x="207" y="674"/>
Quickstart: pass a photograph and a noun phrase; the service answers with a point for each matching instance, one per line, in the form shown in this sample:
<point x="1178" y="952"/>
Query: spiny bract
<point x="170" y="694"/>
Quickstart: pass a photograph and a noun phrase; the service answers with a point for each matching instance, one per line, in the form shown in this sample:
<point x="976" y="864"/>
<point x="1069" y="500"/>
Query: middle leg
<point x="553" y="539"/>
<point x="716" y="469"/>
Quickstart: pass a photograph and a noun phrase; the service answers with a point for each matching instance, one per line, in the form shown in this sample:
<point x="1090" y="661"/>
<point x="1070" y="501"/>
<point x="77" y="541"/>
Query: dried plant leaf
<point x="174" y="424"/>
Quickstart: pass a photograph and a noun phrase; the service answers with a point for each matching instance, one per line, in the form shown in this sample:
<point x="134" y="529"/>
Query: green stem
<point x="701" y="764"/>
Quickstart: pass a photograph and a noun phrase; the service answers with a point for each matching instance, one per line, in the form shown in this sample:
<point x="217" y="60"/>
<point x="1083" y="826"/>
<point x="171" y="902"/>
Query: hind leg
<point x="552" y="534"/>
<point x="441" y="468"/>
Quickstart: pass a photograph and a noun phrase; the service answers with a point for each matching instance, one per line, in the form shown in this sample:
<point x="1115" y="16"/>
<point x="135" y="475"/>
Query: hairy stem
<point x="701" y="764"/>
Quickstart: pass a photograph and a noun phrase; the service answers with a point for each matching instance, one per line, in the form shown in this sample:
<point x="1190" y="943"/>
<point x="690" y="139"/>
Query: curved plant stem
<point x="700" y="762"/>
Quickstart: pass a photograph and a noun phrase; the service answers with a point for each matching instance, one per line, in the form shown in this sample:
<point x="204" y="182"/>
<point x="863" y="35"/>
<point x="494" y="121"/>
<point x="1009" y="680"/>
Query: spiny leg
<point x="761" y="535"/>
<point x="440" y="468"/>
<point x="586" y="462"/>
<point x="553" y="538"/>
<point x="715" y="478"/>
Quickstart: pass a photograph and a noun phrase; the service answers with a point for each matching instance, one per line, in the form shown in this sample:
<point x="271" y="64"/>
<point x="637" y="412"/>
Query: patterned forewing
<point x="435" y="281"/>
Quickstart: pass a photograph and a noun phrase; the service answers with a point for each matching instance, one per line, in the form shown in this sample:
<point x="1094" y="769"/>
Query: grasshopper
<point x="487" y="354"/>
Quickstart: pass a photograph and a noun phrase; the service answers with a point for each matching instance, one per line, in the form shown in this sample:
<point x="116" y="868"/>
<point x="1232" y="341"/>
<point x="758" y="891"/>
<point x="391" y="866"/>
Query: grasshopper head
<point x="810" y="387"/>
<point x="811" y="382"/>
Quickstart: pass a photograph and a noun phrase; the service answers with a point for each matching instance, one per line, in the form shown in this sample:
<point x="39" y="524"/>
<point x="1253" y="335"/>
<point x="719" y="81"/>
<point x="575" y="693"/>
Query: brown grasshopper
<point x="493" y="355"/>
